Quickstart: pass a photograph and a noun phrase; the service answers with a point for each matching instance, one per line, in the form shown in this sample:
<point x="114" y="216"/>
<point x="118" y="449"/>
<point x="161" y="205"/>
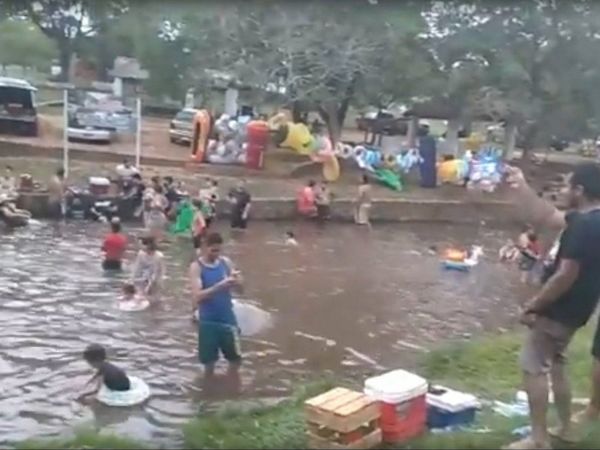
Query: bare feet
<point x="587" y="415"/>
<point x="567" y="435"/>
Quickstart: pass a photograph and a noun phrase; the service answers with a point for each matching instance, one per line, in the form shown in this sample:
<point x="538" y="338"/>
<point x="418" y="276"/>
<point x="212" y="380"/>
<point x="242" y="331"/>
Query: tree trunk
<point x="296" y="112"/>
<point x="510" y="140"/>
<point x="65" y="53"/>
<point x="411" y="134"/>
<point x="451" y="145"/>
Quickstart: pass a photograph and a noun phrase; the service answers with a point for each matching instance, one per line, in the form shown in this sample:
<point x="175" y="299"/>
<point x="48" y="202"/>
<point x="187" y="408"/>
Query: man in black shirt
<point x="240" y="200"/>
<point x="566" y="300"/>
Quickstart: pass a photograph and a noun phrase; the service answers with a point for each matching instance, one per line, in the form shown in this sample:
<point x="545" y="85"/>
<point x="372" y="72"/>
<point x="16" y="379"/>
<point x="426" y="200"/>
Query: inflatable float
<point x="138" y="393"/>
<point x="184" y="220"/>
<point x="201" y="131"/>
<point x="133" y="305"/>
<point x="461" y="260"/>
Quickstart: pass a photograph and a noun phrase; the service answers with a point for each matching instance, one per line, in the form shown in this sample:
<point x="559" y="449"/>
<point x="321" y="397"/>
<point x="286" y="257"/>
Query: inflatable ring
<point x="359" y="150"/>
<point x="344" y="151"/>
<point x="137" y="393"/>
<point x="389" y="160"/>
<point x="456" y="265"/>
<point x="133" y="306"/>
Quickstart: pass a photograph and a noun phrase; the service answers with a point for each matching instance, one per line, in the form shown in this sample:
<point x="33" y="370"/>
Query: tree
<point x="532" y="67"/>
<point x="314" y="53"/>
<point x="66" y="22"/>
<point x="24" y="45"/>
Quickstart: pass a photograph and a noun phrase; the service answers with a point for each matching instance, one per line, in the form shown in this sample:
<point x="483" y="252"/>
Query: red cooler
<point x="257" y="132"/>
<point x="402" y="397"/>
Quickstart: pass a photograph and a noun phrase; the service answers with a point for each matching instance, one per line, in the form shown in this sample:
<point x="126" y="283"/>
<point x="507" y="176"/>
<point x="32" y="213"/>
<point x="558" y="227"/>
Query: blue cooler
<point x="449" y="408"/>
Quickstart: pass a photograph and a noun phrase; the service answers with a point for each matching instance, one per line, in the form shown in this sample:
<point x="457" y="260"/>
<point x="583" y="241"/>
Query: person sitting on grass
<point x="113" y="377"/>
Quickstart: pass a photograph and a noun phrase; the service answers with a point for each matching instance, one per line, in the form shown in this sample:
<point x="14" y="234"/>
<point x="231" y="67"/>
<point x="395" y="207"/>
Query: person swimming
<point x="290" y="239"/>
<point x="113" y="377"/>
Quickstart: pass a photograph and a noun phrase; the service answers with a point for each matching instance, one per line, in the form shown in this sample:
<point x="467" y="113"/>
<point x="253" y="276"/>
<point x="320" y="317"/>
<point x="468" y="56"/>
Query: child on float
<point x="113" y="377"/>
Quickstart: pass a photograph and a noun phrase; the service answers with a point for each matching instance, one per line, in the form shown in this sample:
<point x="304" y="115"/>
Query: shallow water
<point x="346" y="301"/>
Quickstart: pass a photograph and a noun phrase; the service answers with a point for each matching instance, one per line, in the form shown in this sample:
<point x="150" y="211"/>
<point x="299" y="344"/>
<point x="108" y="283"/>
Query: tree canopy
<point x="528" y="64"/>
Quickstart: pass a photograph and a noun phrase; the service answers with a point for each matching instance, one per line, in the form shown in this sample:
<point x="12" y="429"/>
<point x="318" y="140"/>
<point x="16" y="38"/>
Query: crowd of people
<point x="569" y="277"/>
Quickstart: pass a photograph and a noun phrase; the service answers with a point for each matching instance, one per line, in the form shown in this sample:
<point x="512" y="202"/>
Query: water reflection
<point x="345" y="300"/>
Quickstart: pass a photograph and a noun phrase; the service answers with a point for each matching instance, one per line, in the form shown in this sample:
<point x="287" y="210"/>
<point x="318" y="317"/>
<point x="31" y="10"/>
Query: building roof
<point x="16" y="83"/>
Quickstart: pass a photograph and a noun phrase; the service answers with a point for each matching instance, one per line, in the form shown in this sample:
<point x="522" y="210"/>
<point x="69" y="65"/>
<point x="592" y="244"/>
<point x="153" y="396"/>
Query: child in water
<point x="113" y="377"/>
<point x="290" y="239"/>
<point x="131" y="295"/>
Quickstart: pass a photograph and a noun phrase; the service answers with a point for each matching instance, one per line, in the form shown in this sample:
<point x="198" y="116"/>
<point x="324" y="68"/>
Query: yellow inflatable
<point x="327" y="157"/>
<point x="449" y="171"/>
<point x="300" y="139"/>
<point x="474" y="141"/>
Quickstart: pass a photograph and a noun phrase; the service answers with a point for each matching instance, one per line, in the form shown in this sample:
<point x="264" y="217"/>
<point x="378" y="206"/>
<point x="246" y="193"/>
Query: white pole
<point x="138" y="134"/>
<point x="66" y="132"/>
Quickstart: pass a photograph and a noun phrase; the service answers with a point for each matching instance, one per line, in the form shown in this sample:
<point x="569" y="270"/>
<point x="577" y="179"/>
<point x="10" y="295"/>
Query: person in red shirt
<point x="114" y="246"/>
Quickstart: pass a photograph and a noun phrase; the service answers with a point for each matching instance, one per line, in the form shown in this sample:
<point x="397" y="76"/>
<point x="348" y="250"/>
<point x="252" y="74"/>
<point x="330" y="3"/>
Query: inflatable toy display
<point x="485" y="171"/>
<point x="297" y="137"/>
<point x="229" y="147"/>
<point x="138" y="393"/>
<point x="201" y="130"/>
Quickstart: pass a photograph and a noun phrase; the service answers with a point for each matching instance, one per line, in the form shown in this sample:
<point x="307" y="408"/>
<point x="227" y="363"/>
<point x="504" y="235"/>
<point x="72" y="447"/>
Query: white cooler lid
<point x="99" y="181"/>
<point x="452" y="401"/>
<point x="395" y="387"/>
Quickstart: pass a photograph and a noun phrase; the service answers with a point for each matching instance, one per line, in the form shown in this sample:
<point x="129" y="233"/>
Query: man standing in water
<point x="566" y="300"/>
<point x="56" y="198"/>
<point x="240" y="200"/>
<point x="114" y="246"/>
<point x="212" y="278"/>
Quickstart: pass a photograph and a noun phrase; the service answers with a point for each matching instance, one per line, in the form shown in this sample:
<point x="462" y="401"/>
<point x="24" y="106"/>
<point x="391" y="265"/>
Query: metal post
<point x="138" y="134"/>
<point x="66" y="132"/>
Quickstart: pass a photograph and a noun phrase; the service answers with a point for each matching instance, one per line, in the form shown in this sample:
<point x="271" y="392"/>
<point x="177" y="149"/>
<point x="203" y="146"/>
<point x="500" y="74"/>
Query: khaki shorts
<point x="545" y="346"/>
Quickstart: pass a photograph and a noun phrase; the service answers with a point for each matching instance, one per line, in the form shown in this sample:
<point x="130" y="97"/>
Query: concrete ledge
<point x="342" y="210"/>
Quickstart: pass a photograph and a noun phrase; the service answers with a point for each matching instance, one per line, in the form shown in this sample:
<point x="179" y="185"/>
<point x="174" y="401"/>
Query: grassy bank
<point x="487" y="367"/>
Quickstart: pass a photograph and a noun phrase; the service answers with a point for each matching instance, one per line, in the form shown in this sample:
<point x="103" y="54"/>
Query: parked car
<point x="180" y="130"/>
<point x="89" y="134"/>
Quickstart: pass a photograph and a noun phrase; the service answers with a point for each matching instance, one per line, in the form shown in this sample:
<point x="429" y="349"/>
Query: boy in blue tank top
<point x="212" y="277"/>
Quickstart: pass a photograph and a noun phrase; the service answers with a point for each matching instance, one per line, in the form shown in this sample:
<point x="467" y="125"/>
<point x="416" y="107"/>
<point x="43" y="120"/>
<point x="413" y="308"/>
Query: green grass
<point x="281" y="426"/>
<point x="487" y="367"/>
<point x="84" y="438"/>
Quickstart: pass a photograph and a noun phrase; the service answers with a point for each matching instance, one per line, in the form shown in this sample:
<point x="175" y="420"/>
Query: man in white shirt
<point x="126" y="170"/>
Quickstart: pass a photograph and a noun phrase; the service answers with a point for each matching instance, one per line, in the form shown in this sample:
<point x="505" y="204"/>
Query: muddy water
<point x="345" y="301"/>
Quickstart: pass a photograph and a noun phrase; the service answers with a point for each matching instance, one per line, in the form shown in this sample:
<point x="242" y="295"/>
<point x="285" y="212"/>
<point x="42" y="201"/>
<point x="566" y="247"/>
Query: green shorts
<point x="218" y="337"/>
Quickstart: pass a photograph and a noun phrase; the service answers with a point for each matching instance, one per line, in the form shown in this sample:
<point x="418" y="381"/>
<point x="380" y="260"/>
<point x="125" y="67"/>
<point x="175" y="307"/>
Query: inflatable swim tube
<point x="133" y="305"/>
<point x="461" y="266"/>
<point x="138" y="393"/>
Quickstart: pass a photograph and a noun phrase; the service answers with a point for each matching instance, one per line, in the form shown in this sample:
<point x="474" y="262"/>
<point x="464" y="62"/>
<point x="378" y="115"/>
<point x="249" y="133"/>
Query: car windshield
<point x="185" y="116"/>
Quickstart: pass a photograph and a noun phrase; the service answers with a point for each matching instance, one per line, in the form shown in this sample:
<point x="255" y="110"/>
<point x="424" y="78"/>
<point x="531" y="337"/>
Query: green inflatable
<point x="388" y="178"/>
<point x="184" y="220"/>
